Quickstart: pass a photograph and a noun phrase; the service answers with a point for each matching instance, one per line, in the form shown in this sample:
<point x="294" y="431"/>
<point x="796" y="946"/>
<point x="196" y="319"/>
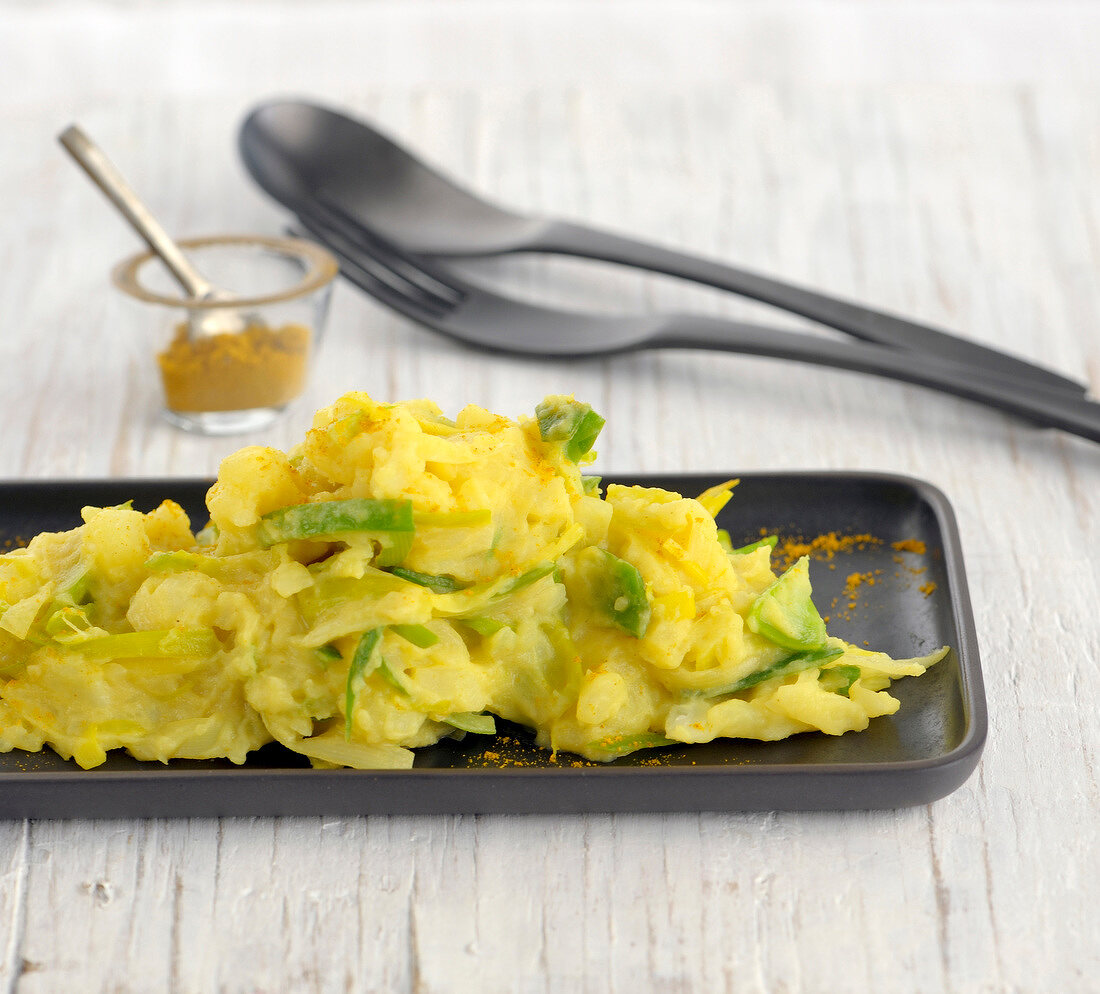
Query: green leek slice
<point x="72" y="589"/>
<point x="445" y="584"/>
<point x="476" y="724"/>
<point x="770" y="541"/>
<point x="788" y="665"/>
<point x="623" y="745"/>
<point x="621" y="595"/>
<point x="562" y="419"/>
<point x="785" y="613"/>
<point x="525" y="579"/>
<point x="839" y="679"/>
<point x="419" y="635"/>
<point x="360" y="667"/>
<point x="152" y="644"/>
<point x="393" y="547"/>
<point x="482" y="625"/>
<point x="326" y="518"/>
<point x="386" y="673"/>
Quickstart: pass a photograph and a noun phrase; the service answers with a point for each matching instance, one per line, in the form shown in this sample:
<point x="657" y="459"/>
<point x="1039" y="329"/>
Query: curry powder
<point x="257" y="367"/>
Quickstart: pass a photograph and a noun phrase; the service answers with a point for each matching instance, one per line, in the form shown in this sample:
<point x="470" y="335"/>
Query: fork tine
<point x="377" y="280"/>
<point x="419" y="272"/>
<point x="376" y="275"/>
<point x="367" y="253"/>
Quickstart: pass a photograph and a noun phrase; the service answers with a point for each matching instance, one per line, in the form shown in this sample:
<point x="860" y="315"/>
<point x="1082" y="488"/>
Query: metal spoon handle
<point x="104" y="174"/>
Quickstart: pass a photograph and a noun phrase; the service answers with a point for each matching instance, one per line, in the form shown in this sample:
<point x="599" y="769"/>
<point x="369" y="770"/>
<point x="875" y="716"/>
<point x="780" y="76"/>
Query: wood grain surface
<point x="936" y="159"/>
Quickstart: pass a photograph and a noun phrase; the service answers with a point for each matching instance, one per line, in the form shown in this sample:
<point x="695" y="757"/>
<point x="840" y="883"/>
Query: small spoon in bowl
<point x="197" y="287"/>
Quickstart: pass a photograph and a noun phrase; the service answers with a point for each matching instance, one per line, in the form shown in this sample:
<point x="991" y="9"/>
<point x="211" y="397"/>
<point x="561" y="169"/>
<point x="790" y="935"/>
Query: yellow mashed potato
<point x="399" y="577"/>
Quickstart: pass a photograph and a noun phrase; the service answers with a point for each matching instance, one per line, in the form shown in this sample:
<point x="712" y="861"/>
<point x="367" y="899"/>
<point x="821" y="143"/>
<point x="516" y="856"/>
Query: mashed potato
<point x="399" y="577"/>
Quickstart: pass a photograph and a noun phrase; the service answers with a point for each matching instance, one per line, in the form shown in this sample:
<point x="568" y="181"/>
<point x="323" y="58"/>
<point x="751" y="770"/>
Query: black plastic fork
<point x="430" y="293"/>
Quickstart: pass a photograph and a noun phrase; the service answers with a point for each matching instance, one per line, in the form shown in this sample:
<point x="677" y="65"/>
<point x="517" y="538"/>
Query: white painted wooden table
<point x="937" y="159"/>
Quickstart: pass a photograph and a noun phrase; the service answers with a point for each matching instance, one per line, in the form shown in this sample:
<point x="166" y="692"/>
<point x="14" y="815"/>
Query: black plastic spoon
<point x="299" y="151"/>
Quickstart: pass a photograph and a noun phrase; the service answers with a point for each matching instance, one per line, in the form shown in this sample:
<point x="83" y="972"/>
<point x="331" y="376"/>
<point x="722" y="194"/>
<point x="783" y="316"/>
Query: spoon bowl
<point x="376" y="180"/>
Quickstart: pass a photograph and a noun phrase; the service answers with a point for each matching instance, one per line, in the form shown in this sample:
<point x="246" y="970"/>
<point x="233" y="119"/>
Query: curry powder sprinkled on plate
<point x="824" y="546"/>
<point x="855" y="580"/>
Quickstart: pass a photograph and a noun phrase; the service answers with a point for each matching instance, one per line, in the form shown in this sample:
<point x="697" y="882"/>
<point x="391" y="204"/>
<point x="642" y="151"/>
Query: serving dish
<point x="895" y="581"/>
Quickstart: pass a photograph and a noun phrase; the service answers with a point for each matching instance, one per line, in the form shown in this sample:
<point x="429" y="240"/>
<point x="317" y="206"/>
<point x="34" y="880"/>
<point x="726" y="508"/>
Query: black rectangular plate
<point x="917" y="603"/>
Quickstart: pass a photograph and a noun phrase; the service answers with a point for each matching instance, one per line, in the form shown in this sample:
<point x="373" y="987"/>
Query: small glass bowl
<point x="234" y="364"/>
